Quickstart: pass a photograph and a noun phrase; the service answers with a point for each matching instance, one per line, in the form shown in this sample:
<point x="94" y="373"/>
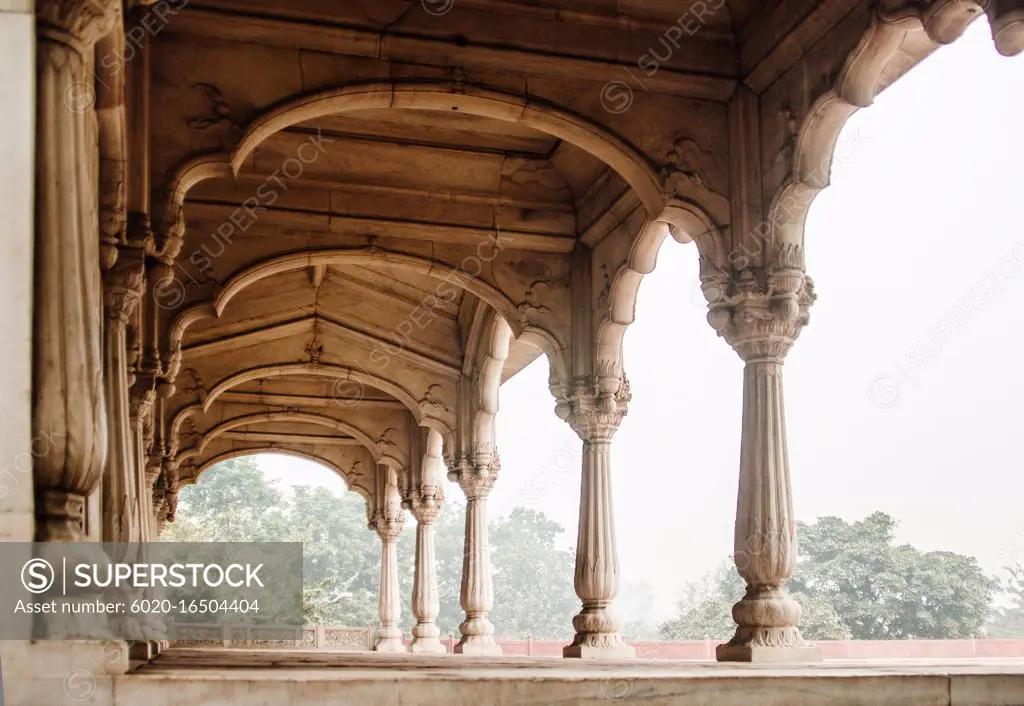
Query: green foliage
<point x="1008" y="621"/>
<point x="705" y="607"/>
<point x="852" y="581"/>
<point x="234" y="502"/>
<point x="231" y="502"/>
<point x="533" y="580"/>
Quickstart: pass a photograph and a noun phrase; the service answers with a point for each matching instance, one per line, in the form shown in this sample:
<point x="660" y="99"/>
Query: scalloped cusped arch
<point x="389" y="459"/>
<point x="350" y="482"/>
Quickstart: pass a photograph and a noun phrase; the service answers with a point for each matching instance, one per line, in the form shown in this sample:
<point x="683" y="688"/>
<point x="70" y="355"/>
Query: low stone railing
<point x="272" y="636"/>
<point x="362" y="639"/>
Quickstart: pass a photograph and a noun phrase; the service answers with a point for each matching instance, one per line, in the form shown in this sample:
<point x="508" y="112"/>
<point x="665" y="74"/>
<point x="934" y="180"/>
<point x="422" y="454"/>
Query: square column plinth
<point x="620" y="651"/>
<point x="768" y="655"/>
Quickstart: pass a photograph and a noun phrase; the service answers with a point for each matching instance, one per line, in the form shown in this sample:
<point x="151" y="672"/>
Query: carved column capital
<point x="387" y="525"/>
<point x="476" y="477"/>
<point x="594" y="406"/>
<point x="80" y="23"/>
<point x="760" y="313"/>
<point x="124" y="284"/>
<point x="140" y="401"/>
<point x="476" y="485"/>
<point x="424" y="503"/>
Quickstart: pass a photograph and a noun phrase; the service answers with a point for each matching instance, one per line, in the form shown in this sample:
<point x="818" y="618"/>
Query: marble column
<point x="761" y="322"/>
<point x="388" y="524"/>
<point x="477" y="593"/>
<point x="425" y="604"/>
<point x="594" y="410"/>
<point x="68" y="395"/>
<point x="122" y="504"/>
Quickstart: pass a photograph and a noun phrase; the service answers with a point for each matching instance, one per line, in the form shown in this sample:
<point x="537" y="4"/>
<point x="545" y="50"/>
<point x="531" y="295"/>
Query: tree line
<point x="852" y="580"/>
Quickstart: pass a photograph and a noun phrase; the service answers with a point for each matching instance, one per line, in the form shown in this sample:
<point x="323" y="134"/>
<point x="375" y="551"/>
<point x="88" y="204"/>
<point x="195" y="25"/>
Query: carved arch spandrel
<point x="898" y="37"/>
<point x="617" y="277"/>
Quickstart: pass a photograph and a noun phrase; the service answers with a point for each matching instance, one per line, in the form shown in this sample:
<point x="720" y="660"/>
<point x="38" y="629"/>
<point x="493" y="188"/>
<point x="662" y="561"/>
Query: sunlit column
<point x="425" y="603"/>
<point x="594" y="410"/>
<point x="761" y="322"/>
<point x="68" y="397"/>
<point x="477" y="593"/>
<point x="388" y="524"/>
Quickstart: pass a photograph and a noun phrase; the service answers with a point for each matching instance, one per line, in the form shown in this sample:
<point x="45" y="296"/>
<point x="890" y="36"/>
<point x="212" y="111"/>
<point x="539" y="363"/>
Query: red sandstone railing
<point x="359" y="639"/>
<point x="833" y="649"/>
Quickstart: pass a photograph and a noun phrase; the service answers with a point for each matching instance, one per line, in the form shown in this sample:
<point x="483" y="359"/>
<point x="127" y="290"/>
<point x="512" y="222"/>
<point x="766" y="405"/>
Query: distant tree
<point x="634" y="606"/>
<point x="886" y="592"/>
<point x="852" y="581"/>
<point x="704" y="607"/>
<point x="235" y="502"/>
<point x="231" y="502"/>
<point x="1008" y="621"/>
<point x="340" y="555"/>
<point x="533" y="579"/>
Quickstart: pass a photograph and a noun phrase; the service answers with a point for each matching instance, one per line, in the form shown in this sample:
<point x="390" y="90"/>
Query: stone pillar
<point x="68" y="397"/>
<point x="425" y="604"/>
<point x="388" y="524"/>
<point x="594" y="410"/>
<point x="122" y="504"/>
<point x="760" y="317"/>
<point x="477" y="593"/>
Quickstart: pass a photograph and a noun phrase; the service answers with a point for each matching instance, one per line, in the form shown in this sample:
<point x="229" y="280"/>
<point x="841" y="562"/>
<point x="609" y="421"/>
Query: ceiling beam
<point x="339" y="136"/>
<point x="781" y="34"/>
<point x="259" y="333"/>
<point x="374" y="338"/>
<point x="273" y="399"/>
<point x="200" y="212"/>
<point x="287" y="438"/>
<point x="371" y="280"/>
<point x="703" y="83"/>
<point x="463" y="196"/>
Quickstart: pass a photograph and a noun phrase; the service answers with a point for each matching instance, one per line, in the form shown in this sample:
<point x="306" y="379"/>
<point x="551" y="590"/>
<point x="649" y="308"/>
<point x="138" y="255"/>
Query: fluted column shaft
<point x="761" y="318"/>
<point x="594" y="411"/>
<point x="477" y="592"/>
<point x="389" y="636"/>
<point x="764" y="546"/>
<point x="425" y="602"/>
<point x="68" y="395"/>
<point x="124" y="492"/>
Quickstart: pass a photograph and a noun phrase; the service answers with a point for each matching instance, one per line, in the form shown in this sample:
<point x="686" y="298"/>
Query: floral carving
<point x="533" y="304"/>
<point x="594" y="406"/>
<point x="760" y="312"/>
<point x="433" y="400"/>
<point x="124" y="285"/>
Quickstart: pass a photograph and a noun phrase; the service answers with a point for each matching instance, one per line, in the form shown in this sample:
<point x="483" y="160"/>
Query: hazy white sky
<point x="903" y="393"/>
